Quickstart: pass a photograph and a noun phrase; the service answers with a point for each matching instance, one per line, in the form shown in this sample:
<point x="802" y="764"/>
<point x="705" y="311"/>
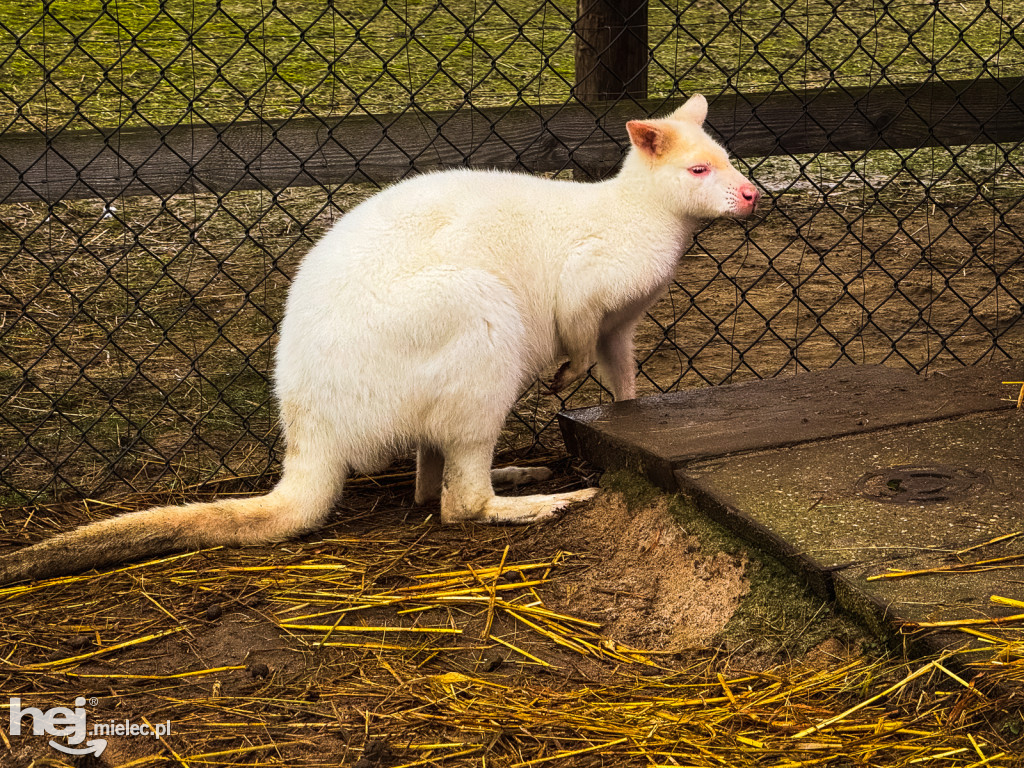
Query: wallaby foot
<point x="468" y="495"/>
<point x="531" y="509"/>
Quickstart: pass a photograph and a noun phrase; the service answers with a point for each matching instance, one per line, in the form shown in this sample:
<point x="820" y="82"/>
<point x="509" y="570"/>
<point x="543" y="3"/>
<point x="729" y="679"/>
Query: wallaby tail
<point x="157" y="531"/>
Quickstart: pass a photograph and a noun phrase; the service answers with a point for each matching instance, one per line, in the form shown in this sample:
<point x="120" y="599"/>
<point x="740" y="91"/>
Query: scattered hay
<point x="392" y="641"/>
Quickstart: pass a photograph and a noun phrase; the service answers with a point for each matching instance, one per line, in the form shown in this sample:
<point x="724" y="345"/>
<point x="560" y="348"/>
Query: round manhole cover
<point x="922" y="484"/>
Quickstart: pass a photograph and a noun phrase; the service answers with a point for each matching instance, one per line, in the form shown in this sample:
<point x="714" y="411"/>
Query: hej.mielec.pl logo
<point x="70" y="724"/>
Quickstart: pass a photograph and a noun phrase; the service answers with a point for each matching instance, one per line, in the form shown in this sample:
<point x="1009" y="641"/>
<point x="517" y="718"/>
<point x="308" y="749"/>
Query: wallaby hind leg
<point x="314" y="471"/>
<point x="430" y="473"/>
<point x="467" y="493"/>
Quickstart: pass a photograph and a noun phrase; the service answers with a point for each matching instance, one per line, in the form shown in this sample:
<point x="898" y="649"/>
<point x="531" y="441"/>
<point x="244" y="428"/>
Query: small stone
<point x="80" y="642"/>
<point x="491" y="661"/>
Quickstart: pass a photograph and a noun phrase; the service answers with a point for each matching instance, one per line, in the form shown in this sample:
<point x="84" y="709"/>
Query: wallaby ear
<point x="649" y="137"/>
<point x="695" y="110"/>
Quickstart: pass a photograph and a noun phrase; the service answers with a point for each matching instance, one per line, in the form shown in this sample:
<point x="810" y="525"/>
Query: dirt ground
<point x="619" y="575"/>
<point x="651" y="583"/>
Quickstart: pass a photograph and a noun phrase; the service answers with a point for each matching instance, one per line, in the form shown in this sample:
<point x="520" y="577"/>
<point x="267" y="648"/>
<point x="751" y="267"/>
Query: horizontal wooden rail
<point x="310" y="151"/>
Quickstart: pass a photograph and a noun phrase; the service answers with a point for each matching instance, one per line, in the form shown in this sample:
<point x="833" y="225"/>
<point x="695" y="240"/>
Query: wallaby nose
<point x="750" y="194"/>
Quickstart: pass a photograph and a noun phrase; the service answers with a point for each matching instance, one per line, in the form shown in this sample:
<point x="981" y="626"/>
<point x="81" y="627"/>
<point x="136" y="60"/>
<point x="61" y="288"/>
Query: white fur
<point x="424" y="313"/>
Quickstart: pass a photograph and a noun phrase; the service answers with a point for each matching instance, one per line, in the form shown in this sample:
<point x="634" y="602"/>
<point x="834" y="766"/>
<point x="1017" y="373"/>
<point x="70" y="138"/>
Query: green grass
<point x="79" y="62"/>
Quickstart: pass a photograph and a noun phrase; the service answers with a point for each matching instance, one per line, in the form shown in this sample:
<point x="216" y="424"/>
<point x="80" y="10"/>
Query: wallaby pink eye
<point x="699" y="170"/>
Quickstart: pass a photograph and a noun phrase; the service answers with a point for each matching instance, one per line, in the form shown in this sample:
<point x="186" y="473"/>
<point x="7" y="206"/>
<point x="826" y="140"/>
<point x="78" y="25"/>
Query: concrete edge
<point x="728" y="515"/>
<point x="585" y="440"/>
<point x="609" y="456"/>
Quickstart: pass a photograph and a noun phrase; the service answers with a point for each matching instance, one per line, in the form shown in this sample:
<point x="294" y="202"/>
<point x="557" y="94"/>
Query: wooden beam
<point x="381" y="149"/>
<point x="939" y="113"/>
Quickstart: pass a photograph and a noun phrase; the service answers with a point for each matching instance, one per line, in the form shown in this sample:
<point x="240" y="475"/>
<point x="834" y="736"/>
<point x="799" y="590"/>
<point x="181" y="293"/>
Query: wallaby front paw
<point x="560" y="380"/>
<point x="566" y="375"/>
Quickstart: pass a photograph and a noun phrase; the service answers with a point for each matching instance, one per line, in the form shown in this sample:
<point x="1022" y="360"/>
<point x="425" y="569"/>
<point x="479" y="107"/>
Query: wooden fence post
<point x="611" y="49"/>
<point x="611" y="56"/>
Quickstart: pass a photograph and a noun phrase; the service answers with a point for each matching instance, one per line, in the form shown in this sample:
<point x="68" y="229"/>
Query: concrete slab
<point x="835" y="512"/>
<point x="845" y="475"/>
<point x="656" y="435"/>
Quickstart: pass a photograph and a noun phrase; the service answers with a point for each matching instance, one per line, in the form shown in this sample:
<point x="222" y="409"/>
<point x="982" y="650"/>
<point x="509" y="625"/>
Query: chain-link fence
<point x="165" y="163"/>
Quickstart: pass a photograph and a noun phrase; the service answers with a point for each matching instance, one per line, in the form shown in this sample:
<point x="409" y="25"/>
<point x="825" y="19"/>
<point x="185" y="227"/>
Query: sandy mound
<point x="650" y="584"/>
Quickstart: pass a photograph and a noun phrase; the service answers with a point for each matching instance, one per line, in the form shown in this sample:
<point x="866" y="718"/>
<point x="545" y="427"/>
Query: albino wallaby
<point x="421" y="316"/>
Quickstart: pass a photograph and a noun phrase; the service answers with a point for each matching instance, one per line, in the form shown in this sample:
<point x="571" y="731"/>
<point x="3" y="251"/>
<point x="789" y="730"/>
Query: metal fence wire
<point x="164" y="164"/>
